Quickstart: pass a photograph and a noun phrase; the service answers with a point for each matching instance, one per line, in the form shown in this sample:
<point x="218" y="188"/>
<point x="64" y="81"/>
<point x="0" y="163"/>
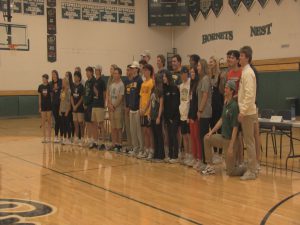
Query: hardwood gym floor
<point x="64" y="185"/>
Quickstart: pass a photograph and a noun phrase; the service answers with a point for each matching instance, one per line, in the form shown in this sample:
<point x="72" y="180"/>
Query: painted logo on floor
<point x="16" y="211"/>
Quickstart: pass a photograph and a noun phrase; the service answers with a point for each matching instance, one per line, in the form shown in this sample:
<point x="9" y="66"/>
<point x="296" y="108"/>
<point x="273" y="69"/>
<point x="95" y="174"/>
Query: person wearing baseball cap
<point x="227" y="140"/>
<point x="146" y="55"/>
<point x="134" y="110"/>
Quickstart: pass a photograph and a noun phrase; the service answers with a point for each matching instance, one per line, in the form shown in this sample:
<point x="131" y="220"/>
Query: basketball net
<point x="12" y="48"/>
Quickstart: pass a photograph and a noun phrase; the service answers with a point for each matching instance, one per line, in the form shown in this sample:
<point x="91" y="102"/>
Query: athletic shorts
<point x="184" y="127"/>
<point x="116" y="119"/>
<point x="145" y="121"/>
<point x="88" y="114"/>
<point x="78" y="117"/>
<point x="98" y="115"/>
<point x="46" y="108"/>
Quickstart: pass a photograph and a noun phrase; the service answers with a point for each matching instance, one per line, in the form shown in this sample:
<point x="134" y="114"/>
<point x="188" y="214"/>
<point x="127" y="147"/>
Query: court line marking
<point x="108" y="190"/>
<point x="269" y="213"/>
<point x="279" y="168"/>
<point x="103" y="167"/>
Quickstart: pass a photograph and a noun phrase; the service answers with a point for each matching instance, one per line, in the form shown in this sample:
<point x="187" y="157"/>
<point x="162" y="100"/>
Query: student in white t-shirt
<point x="184" y="106"/>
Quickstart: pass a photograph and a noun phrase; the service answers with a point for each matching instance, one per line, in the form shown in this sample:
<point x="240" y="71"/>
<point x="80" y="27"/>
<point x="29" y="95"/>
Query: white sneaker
<point x="75" y="141"/>
<point x="80" y="143"/>
<point x="202" y="166"/>
<point x="191" y="163"/>
<point x="209" y="170"/>
<point x="142" y="154"/>
<point x="150" y="155"/>
<point x="68" y="141"/>
<point x="248" y="176"/>
<point x="173" y="161"/>
<point x="217" y="159"/>
<point x="196" y="164"/>
<point x="186" y="159"/>
<point x="131" y="153"/>
<point x="167" y="159"/>
<point x="56" y="140"/>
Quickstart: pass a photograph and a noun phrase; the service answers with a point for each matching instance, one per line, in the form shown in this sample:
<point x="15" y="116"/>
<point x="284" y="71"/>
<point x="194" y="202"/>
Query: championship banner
<point x="217" y="6"/>
<point x="109" y="14"/>
<point x="234" y="5"/>
<point x="34" y="7"/>
<point x="92" y="1"/>
<point x="70" y="11"/>
<point x="51" y="20"/>
<point x="111" y="2"/>
<point x="205" y="6"/>
<point x="248" y="3"/>
<point x="17" y="7"/>
<point x="51" y="48"/>
<point x="126" y="15"/>
<point x="194" y="8"/>
<point x="262" y="3"/>
<point x="91" y="13"/>
<point x="51" y="3"/>
<point x="126" y="2"/>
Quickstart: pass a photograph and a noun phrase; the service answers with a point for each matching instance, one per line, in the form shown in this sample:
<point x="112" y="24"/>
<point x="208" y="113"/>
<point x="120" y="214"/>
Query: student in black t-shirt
<point x="156" y="114"/>
<point x="171" y="115"/>
<point x="45" y="108"/>
<point x="77" y="93"/>
<point x="55" y="86"/>
<point x="87" y="103"/>
<point x="98" y="112"/>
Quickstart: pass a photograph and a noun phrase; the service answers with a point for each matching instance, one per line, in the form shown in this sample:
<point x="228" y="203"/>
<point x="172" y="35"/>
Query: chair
<point x="285" y="129"/>
<point x="268" y="129"/>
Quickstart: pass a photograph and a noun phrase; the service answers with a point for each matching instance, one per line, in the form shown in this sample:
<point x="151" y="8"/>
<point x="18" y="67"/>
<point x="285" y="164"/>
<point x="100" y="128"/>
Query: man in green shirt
<point x="227" y="140"/>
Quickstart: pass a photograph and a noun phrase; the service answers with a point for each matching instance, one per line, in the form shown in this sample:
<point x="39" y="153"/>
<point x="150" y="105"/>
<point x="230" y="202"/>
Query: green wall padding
<point x="9" y="106"/>
<point x="28" y="105"/>
<point x="274" y="87"/>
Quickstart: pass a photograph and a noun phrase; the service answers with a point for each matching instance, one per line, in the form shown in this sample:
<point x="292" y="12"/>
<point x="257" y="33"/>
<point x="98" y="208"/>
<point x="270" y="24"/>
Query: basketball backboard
<point x="13" y="35"/>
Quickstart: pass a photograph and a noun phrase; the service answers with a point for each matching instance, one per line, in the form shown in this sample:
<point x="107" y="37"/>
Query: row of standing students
<point x="161" y="112"/>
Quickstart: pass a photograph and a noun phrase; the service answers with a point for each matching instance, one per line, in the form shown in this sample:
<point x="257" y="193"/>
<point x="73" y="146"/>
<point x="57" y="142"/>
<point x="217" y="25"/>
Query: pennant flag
<point x="194" y="8"/>
<point x="205" y="6"/>
<point x="248" y="3"/>
<point x="262" y="3"/>
<point x="234" y="5"/>
<point x="217" y="6"/>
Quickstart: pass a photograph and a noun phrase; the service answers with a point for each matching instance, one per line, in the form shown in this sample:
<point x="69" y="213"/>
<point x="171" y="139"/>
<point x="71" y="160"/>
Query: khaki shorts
<point x="78" y="117"/>
<point x="116" y="119"/>
<point x="98" y="115"/>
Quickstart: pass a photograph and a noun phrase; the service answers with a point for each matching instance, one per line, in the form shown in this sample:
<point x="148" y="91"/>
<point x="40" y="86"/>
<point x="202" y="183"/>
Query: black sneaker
<point x="101" y="147"/>
<point x="92" y="145"/>
<point x="119" y="147"/>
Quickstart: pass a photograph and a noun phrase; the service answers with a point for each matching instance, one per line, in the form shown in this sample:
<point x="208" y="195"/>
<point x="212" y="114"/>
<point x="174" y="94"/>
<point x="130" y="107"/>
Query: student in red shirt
<point x="235" y="71"/>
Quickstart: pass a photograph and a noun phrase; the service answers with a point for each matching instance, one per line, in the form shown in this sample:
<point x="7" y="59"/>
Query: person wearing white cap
<point x="134" y="114"/>
<point x="146" y="55"/>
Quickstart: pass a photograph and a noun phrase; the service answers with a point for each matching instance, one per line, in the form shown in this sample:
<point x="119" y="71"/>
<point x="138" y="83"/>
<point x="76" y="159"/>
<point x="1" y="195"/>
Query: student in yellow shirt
<point x="145" y="95"/>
